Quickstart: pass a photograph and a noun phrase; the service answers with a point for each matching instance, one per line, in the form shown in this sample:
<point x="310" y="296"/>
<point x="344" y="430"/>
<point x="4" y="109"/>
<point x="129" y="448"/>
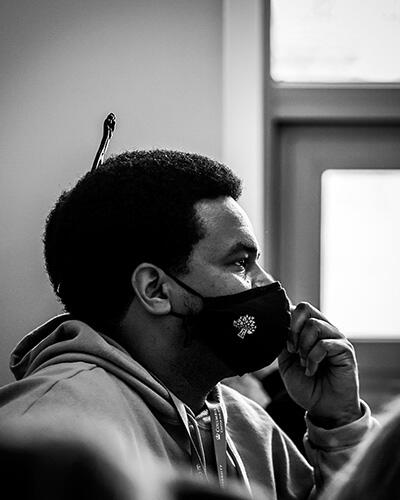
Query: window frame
<point x="288" y="104"/>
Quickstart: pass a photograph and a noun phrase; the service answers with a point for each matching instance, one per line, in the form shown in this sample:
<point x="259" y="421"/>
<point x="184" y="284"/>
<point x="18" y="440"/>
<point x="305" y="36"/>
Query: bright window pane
<point x="335" y="40"/>
<point x="360" y="251"/>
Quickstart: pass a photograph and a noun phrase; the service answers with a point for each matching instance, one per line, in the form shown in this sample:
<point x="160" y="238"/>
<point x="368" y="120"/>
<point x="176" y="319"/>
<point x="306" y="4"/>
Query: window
<point x="335" y="40"/>
<point x="360" y="249"/>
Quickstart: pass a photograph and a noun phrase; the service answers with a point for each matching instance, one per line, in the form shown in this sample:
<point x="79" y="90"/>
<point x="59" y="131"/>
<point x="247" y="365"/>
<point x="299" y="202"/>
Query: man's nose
<point x="261" y="277"/>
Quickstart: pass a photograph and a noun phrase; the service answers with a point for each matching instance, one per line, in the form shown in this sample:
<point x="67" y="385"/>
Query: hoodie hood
<point x="24" y="354"/>
<point x="63" y="339"/>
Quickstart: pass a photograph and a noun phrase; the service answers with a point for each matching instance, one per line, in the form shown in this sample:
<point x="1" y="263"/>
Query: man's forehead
<point x="226" y="225"/>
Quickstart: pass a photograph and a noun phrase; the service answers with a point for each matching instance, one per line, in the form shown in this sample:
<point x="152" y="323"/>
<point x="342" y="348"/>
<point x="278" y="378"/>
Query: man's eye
<point x="243" y="263"/>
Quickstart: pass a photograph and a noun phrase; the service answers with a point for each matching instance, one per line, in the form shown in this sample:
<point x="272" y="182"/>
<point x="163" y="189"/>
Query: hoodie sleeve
<point x="273" y="460"/>
<point x="269" y="456"/>
<point x="293" y="475"/>
<point x="328" y="450"/>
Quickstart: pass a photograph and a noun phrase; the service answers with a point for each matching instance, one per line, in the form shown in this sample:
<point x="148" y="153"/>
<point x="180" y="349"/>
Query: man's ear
<point x="151" y="288"/>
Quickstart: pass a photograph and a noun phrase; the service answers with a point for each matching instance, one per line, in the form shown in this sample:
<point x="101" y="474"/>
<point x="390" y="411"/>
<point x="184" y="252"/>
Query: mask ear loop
<point x="184" y="285"/>
<point x="185" y="323"/>
<point x="108" y="129"/>
<point x="184" y="317"/>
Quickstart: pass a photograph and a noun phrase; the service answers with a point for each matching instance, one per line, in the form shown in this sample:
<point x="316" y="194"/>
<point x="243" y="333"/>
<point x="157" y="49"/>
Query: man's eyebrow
<point x="242" y="247"/>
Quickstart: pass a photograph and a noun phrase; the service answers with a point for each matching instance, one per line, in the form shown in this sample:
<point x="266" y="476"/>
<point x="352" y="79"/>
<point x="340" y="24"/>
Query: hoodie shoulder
<point x="58" y="389"/>
<point x="64" y="370"/>
<point x="62" y="339"/>
<point x="67" y="371"/>
<point x="78" y="400"/>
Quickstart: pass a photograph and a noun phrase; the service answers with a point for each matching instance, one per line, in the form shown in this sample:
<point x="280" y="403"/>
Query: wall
<point x="63" y="66"/>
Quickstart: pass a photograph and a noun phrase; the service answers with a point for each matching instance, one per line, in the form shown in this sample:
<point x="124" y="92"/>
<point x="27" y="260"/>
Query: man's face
<point x="224" y="262"/>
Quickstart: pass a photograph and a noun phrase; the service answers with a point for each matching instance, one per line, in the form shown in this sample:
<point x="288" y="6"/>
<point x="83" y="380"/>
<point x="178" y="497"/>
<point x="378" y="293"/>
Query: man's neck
<point x="189" y="372"/>
<point x="191" y="395"/>
<point x="191" y="388"/>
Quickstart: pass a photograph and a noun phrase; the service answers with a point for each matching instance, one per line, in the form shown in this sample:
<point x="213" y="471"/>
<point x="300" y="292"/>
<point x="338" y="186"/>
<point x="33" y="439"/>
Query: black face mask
<point x="247" y="330"/>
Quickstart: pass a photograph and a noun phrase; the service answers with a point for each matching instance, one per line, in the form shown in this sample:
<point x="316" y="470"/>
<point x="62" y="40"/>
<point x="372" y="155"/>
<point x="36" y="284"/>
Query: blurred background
<point x="300" y="99"/>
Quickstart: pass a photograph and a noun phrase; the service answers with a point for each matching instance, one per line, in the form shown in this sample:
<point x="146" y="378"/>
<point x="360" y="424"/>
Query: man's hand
<point x="319" y="369"/>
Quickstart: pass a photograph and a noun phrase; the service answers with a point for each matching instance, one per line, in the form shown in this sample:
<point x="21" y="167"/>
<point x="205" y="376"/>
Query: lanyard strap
<point x="218" y="429"/>
<point x="197" y="456"/>
<point x="223" y="445"/>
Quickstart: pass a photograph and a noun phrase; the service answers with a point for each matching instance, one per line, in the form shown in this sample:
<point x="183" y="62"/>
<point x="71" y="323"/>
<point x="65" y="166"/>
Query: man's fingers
<point x="314" y="358"/>
<point x="302" y="313"/>
<point x="338" y="351"/>
<point x="313" y="331"/>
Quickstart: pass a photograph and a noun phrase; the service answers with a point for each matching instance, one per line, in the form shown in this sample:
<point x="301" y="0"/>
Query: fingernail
<point x="302" y="362"/>
<point x="307" y="372"/>
<point x="290" y="347"/>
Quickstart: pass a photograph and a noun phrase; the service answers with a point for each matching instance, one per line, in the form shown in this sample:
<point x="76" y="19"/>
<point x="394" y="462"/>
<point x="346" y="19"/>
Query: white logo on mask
<point x="246" y="325"/>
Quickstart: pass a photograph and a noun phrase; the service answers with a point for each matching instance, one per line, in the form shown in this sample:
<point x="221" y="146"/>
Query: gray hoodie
<point x="71" y="380"/>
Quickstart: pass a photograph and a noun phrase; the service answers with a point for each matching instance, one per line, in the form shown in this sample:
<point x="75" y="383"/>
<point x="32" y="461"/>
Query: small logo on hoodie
<point x="246" y="325"/>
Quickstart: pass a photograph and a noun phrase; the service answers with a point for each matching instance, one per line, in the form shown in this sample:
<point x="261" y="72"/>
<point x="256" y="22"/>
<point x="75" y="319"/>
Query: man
<point x="157" y="265"/>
